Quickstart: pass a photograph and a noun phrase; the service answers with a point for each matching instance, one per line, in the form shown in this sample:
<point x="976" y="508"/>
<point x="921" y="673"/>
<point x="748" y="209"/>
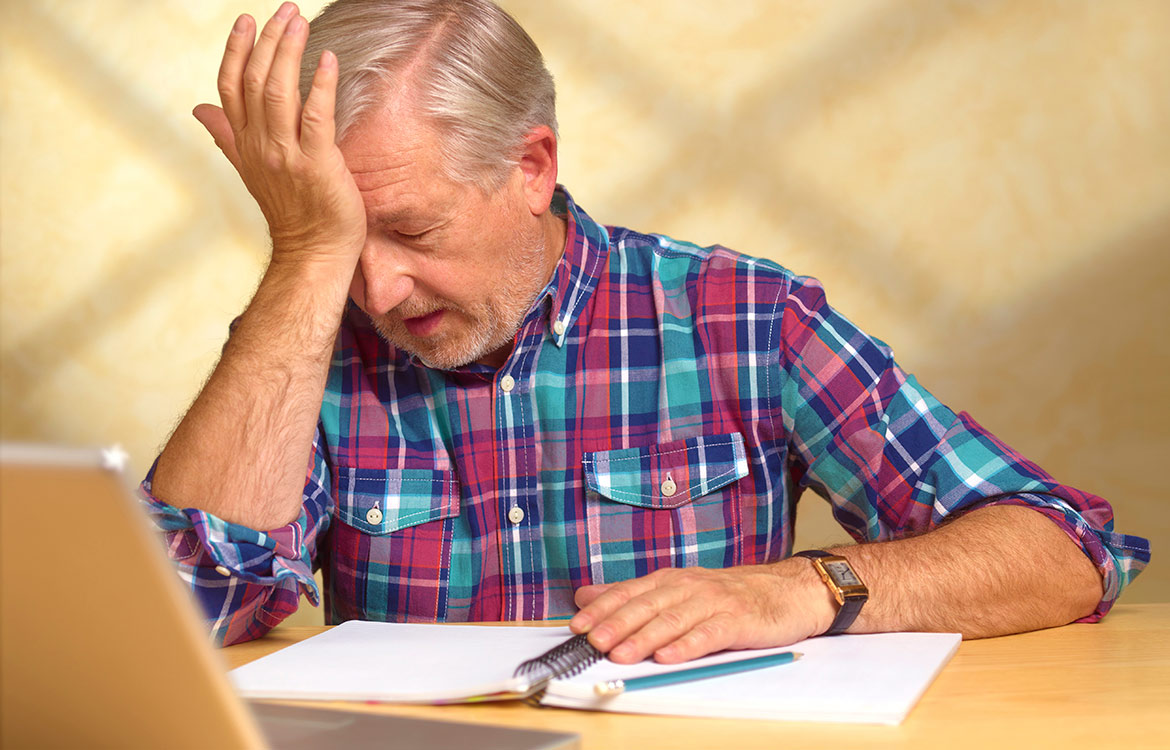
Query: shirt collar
<point x="576" y="275"/>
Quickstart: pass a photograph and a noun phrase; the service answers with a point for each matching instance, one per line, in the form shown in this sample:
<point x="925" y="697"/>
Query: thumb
<point x="216" y="122"/>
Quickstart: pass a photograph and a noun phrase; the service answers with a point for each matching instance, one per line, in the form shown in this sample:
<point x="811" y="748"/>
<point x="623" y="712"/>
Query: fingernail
<point x="624" y="651"/>
<point x="286" y="10"/>
<point x="294" y="26"/>
<point x="580" y="623"/>
<point x="241" y="25"/>
<point x="602" y="636"/>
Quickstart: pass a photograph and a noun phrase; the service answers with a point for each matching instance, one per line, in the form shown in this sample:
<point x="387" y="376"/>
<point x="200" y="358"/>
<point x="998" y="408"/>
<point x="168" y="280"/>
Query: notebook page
<point x="397" y="662"/>
<point x="873" y="679"/>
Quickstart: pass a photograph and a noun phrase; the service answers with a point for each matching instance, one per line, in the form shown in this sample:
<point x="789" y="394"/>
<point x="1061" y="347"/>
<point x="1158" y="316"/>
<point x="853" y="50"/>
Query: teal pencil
<point x="613" y="687"/>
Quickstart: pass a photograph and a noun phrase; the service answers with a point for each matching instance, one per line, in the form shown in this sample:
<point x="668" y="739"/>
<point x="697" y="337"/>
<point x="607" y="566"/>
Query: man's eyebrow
<point x="411" y="222"/>
<point x="401" y="214"/>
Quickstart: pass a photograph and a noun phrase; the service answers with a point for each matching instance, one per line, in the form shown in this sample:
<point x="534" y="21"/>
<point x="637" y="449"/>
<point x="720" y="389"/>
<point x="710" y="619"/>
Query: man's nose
<point x="383" y="280"/>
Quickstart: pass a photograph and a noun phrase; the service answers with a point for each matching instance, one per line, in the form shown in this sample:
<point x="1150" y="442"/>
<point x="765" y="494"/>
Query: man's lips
<point x="423" y="325"/>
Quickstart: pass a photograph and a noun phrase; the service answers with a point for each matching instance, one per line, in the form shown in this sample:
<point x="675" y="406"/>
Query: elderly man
<point x="509" y="411"/>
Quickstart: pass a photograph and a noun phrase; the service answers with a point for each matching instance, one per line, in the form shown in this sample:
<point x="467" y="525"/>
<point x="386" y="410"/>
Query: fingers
<point x="231" y="71"/>
<point x="598" y="602"/>
<point x="282" y="99"/>
<point x="647" y="622"/>
<point x="260" y="61"/>
<point x="217" y="123"/>
<point x="698" y="636"/>
<point x="318" y="126"/>
<point x="586" y="595"/>
<point x="259" y="85"/>
<point x="617" y="617"/>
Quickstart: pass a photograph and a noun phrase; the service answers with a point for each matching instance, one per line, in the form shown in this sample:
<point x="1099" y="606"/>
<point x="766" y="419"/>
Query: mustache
<point x="419" y="308"/>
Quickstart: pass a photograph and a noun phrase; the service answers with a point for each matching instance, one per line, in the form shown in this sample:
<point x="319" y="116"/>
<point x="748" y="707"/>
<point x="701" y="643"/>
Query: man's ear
<point x="538" y="168"/>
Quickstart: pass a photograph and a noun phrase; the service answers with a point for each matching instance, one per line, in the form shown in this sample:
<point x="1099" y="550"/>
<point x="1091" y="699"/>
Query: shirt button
<point x="559" y="327"/>
<point x="222" y="571"/>
<point x="516" y="515"/>
<point x="507" y="383"/>
<point x="374" y="516"/>
<point x="669" y="487"/>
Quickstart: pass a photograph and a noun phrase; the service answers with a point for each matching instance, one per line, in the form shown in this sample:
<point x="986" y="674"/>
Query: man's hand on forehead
<point x="242" y="448"/>
<point x="285" y="152"/>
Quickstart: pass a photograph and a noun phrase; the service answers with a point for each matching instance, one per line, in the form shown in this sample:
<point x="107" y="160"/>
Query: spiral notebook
<point x="851" y="678"/>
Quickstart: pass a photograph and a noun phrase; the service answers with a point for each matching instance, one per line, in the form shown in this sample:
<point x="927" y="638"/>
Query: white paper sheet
<point x="872" y="679"/>
<point x="396" y="662"/>
<point x="848" y="678"/>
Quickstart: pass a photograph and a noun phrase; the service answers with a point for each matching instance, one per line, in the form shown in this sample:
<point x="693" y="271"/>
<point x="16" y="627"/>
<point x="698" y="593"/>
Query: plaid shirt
<point x="664" y="405"/>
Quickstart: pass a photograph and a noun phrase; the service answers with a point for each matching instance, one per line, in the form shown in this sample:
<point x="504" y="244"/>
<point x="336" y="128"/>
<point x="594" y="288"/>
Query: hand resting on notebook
<point x="950" y="580"/>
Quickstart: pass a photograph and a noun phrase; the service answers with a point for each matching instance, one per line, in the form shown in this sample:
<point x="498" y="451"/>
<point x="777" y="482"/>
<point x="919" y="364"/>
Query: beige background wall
<point x="984" y="185"/>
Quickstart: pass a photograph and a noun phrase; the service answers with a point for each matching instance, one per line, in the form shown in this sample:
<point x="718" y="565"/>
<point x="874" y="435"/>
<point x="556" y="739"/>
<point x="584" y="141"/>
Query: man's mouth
<point x="423" y="325"/>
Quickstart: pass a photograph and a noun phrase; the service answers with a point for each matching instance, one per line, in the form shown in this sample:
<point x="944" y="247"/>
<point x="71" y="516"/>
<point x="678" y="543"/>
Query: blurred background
<point x="983" y="185"/>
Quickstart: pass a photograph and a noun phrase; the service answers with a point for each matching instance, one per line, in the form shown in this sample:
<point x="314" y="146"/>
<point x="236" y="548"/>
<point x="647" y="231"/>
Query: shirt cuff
<point x="197" y="538"/>
<point x="1084" y="536"/>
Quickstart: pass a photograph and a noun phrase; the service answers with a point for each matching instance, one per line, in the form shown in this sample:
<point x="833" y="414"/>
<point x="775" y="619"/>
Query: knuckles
<point x="275" y="94"/>
<point x="674" y="620"/>
<point x="707" y="631"/>
<point x="275" y="161"/>
<point x="641" y="608"/>
<point x="670" y="575"/>
<point x="254" y="80"/>
<point x="229" y="88"/>
<point x="313" y="117"/>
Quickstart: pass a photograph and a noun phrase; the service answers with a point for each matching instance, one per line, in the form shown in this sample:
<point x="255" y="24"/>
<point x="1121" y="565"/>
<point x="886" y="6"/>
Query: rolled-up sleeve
<point x="247" y="581"/>
<point x="894" y="461"/>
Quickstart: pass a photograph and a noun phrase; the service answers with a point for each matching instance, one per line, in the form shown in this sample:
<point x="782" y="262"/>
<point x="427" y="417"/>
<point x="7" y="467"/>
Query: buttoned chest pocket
<point x="675" y="504"/>
<point x="390" y="545"/>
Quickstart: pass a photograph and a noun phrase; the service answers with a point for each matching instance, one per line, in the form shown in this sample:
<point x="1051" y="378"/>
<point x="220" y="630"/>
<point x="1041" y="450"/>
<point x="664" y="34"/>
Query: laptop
<point x="102" y="646"/>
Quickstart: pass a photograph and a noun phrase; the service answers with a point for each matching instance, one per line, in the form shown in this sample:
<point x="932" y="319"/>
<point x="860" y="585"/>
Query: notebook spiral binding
<point x="564" y="660"/>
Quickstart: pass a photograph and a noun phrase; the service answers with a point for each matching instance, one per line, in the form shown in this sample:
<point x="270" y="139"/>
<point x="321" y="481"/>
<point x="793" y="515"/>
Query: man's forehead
<point x="383" y="139"/>
<point x="392" y="151"/>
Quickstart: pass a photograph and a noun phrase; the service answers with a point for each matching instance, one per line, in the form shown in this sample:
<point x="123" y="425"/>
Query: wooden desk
<point x="1100" y="686"/>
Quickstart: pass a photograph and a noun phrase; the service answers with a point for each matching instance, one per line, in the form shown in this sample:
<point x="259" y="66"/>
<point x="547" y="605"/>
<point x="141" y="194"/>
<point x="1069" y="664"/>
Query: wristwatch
<point x="848" y="589"/>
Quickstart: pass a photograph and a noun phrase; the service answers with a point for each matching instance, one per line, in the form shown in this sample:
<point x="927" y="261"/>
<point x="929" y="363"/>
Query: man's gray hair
<point x="477" y="75"/>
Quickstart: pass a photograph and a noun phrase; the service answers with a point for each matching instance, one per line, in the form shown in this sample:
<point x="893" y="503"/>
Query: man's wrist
<point x="320" y="283"/>
<point x="848" y="591"/>
<point x="314" y="269"/>
<point x="813" y="597"/>
<point x="335" y="249"/>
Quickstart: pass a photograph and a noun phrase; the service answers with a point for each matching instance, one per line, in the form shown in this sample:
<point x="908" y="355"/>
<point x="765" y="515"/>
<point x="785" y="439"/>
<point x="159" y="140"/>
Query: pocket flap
<point x="669" y="474"/>
<point x="379" y="501"/>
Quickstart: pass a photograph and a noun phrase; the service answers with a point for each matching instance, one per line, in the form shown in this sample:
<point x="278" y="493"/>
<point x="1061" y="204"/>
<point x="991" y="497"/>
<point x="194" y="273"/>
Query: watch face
<point x="841" y="573"/>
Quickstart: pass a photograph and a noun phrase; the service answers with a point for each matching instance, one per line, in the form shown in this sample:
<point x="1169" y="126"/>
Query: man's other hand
<point x="678" y="614"/>
<point x="285" y="152"/>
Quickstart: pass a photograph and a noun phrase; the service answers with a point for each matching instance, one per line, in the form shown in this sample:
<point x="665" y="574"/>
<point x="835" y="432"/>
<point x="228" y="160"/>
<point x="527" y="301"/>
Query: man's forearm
<point x="996" y="570"/>
<point x="993" y="571"/>
<point x="242" y="450"/>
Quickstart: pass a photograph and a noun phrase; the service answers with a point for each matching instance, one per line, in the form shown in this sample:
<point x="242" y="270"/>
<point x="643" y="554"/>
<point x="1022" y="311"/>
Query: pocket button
<point x="374" y="516"/>
<point x="669" y="488"/>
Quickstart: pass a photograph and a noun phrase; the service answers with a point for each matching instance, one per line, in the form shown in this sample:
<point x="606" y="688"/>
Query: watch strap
<point x="846" y="615"/>
<point x="849" y="608"/>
